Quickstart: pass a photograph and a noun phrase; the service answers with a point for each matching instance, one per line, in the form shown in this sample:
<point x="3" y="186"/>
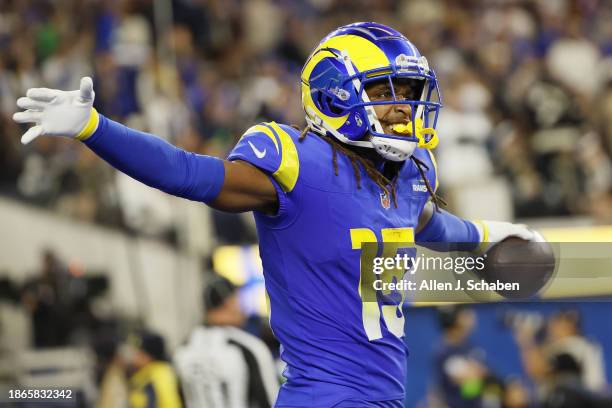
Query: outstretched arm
<point x="444" y="227"/>
<point x="228" y="186"/>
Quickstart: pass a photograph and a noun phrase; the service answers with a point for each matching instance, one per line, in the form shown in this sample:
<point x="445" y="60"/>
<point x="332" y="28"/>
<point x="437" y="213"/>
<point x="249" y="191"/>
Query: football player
<point x="361" y="171"/>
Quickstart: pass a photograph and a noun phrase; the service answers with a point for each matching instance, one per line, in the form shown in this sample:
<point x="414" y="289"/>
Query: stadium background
<point x="526" y="134"/>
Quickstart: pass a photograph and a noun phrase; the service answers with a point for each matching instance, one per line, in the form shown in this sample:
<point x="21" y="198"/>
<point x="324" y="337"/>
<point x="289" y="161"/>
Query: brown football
<point x="530" y="264"/>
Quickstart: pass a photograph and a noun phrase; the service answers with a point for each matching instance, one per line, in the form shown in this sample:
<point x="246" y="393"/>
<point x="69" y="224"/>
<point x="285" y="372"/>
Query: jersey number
<point x="373" y="302"/>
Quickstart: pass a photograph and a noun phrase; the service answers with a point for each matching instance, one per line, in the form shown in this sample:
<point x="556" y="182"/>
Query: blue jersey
<point x="338" y="345"/>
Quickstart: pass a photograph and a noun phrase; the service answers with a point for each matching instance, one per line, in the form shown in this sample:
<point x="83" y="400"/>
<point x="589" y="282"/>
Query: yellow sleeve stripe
<point x="262" y="129"/>
<point x="287" y="173"/>
<point x="90" y="126"/>
<point x="435" y="164"/>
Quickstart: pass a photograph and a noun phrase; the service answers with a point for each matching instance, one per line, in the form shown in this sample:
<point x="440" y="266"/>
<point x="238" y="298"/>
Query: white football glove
<point x="492" y="232"/>
<point x="58" y="113"/>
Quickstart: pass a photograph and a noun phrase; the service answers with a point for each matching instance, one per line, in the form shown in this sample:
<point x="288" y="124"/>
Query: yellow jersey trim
<point x="287" y="173"/>
<point x="265" y="130"/>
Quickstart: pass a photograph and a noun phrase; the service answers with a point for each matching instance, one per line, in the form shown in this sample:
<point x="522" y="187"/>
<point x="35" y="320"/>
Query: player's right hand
<point x="492" y="232"/>
<point x="58" y="113"/>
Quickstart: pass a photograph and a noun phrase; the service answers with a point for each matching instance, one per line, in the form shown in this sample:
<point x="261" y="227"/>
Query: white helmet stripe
<point x="366" y="32"/>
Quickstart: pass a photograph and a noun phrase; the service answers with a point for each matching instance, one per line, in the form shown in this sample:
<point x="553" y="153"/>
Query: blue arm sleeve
<point x="157" y="163"/>
<point x="447" y="232"/>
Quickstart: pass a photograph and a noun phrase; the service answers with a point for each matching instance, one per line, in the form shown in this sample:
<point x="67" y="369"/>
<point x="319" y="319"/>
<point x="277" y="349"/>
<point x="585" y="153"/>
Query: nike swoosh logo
<point x="258" y="153"/>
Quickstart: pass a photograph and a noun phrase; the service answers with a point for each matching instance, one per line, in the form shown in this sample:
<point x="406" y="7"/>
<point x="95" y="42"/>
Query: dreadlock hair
<point x="435" y="198"/>
<point x="381" y="181"/>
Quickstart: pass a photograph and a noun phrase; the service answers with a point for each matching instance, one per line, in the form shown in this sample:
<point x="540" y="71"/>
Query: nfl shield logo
<point x="385" y="201"/>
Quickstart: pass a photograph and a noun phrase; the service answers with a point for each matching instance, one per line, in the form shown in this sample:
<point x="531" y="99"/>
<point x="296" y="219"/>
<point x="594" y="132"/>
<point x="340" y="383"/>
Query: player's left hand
<point x="492" y="232"/>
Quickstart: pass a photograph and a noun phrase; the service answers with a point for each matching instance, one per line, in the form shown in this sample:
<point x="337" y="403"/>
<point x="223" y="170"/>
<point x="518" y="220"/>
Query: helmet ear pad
<point x="332" y="95"/>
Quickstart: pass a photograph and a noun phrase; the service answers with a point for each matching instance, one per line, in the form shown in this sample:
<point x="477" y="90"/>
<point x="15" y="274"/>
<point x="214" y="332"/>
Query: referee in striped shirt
<point x="221" y="365"/>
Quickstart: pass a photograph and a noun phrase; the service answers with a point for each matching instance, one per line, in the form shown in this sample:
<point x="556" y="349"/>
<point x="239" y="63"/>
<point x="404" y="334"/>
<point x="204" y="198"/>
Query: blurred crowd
<point x="527" y="88"/>
<point x="563" y="367"/>
<point x="109" y="359"/>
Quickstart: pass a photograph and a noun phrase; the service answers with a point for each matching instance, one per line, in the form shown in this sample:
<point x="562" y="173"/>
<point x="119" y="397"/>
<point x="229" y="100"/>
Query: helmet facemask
<point x="395" y="138"/>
